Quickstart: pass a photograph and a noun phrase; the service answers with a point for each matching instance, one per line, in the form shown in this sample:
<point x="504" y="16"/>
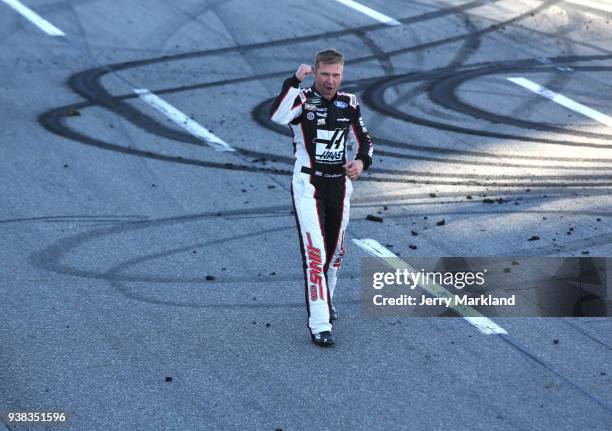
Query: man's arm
<point x="359" y="136"/>
<point x="288" y="104"/>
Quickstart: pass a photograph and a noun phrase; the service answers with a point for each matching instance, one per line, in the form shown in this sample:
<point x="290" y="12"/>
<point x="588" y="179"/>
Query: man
<point x="323" y="120"/>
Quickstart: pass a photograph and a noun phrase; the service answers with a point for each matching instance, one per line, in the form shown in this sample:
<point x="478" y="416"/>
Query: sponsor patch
<point x="315" y="270"/>
<point x="322" y="109"/>
<point x="321" y="122"/>
<point x="340" y="104"/>
<point x="330" y="145"/>
<point x="322" y="114"/>
<point x="343" y="119"/>
<point x="309" y="107"/>
<point x="310" y="116"/>
<point x="314" y="100"/>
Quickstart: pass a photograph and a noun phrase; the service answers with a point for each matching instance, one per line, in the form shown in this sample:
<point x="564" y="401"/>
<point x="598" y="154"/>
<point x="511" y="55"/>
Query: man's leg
<point x="309" y="216"/>
<point x="337" y="221"/>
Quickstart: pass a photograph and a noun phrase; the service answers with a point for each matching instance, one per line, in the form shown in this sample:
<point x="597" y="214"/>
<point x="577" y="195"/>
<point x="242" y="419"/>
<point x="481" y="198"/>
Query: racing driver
<point x="323" y="121"/>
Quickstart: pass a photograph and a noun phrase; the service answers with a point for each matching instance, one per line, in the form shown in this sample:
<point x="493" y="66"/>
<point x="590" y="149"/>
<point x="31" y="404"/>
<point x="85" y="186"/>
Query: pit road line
<point x="182" y="120"/>
<point x="562" y="100"/>
<point x="34" y="18"/>
<point x="482" y="323"/>
<point x="370" y="12"/>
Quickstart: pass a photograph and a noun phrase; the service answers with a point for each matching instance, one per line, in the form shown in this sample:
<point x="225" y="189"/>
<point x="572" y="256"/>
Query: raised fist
<point x="303" y="71"/>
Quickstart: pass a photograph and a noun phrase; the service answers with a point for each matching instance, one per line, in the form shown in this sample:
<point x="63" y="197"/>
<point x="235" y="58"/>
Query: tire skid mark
<point x="51" y="258"/>
<point x="374" y="97"/>
<point x="259" y="114"/>
<point x="88" y="85"/>
<point x="444" y="93"/>
<point x="469" y="47"/>
<point x="485" y="163"/>
<point x="557" y="80"/>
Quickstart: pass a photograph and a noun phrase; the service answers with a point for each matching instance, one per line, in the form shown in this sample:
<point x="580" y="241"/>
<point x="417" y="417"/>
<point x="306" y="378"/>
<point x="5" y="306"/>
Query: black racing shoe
<point x="333" y="314"/>
<point x="323" y="339"/>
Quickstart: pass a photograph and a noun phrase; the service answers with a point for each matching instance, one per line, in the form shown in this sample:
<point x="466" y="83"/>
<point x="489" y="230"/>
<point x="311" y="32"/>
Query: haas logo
<point x="330" y="145"/>
<point x="315" y="271"/>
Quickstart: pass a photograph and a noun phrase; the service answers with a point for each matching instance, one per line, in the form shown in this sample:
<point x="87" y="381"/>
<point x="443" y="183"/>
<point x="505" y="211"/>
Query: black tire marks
<point x="448" y="80"/>
<point x="53" y="257"/>
<point x="88" y="85"/>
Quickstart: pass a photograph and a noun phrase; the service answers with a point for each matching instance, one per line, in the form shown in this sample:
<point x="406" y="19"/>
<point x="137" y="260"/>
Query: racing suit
<point x="320" y="189"/>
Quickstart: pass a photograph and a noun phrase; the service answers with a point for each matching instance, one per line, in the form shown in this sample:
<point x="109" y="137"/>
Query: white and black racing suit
<point x="320" y="189"/>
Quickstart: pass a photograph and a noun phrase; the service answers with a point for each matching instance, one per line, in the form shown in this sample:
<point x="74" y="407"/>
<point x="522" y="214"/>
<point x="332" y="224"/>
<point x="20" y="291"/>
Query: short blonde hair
<point x="329" y="56"/>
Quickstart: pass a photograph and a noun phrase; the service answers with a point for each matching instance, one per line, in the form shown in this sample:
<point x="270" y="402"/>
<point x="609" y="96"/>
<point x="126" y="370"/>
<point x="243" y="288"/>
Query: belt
<point x="331" y="173"/>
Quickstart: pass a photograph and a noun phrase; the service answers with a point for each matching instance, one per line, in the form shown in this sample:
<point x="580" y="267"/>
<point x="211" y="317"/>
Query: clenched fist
<point x="353" y="169"/>
<point x="303" y="71"/>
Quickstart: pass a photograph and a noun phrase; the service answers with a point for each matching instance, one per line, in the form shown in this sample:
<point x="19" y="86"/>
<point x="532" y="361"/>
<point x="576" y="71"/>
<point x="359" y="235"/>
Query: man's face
<point x="328" y="78"/>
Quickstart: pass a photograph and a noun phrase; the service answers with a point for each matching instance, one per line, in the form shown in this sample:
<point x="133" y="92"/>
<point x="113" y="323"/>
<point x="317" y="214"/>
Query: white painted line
<point x="562" y="100"/>
<point x="182" y="120"/>
<point x="482" y="323"/>
<point x="370" y="12"/>
<point x="34" y="18"/>
<point x="601" y="4"/>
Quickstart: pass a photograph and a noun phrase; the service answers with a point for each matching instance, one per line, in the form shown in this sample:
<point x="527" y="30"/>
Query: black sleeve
<point x="365" y="148"/>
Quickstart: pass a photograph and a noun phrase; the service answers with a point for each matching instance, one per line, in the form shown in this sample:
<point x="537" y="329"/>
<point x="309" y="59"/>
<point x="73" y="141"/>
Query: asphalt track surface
<point x="133" y="252"/>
